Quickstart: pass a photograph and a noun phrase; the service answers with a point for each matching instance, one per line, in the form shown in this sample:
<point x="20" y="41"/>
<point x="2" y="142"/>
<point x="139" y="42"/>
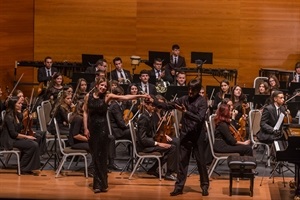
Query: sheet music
<point x="279" y="122"/>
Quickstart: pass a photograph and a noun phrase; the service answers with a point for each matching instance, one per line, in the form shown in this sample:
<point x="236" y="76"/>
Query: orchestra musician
<point x="55" y="87"/>
<point x="180" y="79"/>
<point x="11" y="137"/>
<point x="270" y="117"/>
<point x="45" y="73"/>
<point x="219" y="96"/>
<point x="132" y="106"/>
<point x="101" y="64"/>
<point x="146" y="130"/>
<point x="60" y="111"/>
<point x="192" y="135"/>
<point x="81" y="90"/>
<point x="176" y="61"/>
<point x="119" y="74"/>
<point x="98" y="74"/>
<point x="263" y="88"/>
<point x="295" y="77"/>
<point x="227" y="139"/>
<point x="273" y="83"/>
<point x="160" y="73"/>
<point x="144" y="85"/>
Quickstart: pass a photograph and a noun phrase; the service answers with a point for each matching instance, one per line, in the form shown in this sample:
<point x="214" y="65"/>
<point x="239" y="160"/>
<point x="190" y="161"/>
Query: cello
<point x="243" y="122"/>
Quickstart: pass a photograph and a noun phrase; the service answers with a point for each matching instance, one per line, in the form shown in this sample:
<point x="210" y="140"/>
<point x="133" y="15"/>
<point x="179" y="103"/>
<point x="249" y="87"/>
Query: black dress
<point x="30" y="153"/>
<point x="98" y="128"/>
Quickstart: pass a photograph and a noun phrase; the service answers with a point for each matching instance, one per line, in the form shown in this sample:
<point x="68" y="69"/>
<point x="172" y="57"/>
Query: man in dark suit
<point x="295" y="77"/>
<point x="270" y="116"/>
<point x="116" y="109"/>
<point x="45" y="73"/>
<point x="161" y="74"/>
<point x="99" y="65"/>
<point x="176" y="61"/>
<point x="145" y="143"/>
<point x="144" y="85"/>
<point x="119" y="74"/>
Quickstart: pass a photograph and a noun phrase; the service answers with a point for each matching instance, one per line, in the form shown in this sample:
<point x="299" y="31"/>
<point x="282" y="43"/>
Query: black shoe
<point x="153" y="173"/>
<point x="114" y="167"/>
<point x="97" y="190"/>
<point x="170" y="177"/>
<point x="104" y="190"/>
<point x="27" y="173"/>
<point x="176" y="192"/>
<point x="205" y="191"/>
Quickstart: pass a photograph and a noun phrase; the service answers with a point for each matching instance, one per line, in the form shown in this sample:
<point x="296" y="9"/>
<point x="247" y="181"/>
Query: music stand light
<point x="135" y="61"/>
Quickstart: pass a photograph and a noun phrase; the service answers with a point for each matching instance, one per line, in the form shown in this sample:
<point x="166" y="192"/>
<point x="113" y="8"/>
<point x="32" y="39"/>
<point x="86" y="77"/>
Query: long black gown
<point x="98" y="128"/>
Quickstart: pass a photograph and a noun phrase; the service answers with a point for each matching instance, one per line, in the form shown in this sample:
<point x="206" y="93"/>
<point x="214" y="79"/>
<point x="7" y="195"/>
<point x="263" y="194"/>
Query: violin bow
<point x="16" y="85"/>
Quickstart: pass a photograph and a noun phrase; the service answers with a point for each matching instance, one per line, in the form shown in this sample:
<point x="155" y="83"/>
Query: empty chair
<point x="254" y="127"/>
<point x="8" y="154"/>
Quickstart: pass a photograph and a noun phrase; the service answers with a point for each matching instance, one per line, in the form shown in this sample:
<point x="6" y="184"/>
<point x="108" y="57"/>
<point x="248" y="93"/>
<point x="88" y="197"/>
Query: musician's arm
<point x="265" y="118"/>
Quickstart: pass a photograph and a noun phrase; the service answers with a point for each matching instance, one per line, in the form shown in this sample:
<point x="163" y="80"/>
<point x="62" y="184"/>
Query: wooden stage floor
<point x="143" y="186"/>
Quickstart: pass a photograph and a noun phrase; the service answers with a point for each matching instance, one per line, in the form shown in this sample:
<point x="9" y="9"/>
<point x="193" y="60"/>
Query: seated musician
<point x="80" y="91"/>
<point x="295" y="77"/>
<point x="77" y="139"/>
<point x="98" y="75"/>
<point x="219" y="96"/>
<point x="227" y="138"/>
<point x="101" y="64"/>
<point x="270" y="118"/>
<point x="132" y="105"/>
<point x="119" y="74"/>
<point x="119" y="129"/>
<point x="144" y="85"/>
<point x="160" y="73"/>
<point x="180" y="79"/>
<point x="263" y="88"/>
<point x="146" y="143"/>
<point x="11" y="137"/>
<point x="60" y="111"/>
<point x="55" y="86"/>
<point x="273" y="83"/>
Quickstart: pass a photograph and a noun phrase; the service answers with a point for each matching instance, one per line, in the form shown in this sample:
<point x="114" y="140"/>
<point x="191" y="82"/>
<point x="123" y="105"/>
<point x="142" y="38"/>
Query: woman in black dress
<point x="11" y="137"/>
<point x="96" y="129"/>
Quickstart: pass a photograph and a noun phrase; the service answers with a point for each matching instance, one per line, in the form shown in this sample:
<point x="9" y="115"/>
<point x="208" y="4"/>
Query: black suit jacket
<point x="168" y="77"/>
<point x="180" y="62"/>
<point x="145" y="133"/>
<point x="116" y="119"/>
<point x="152" y="89"/>
<point x="90" y="70"/>
<point x="42" y="75"/>
<point x="267" y="123"/>
<point x="114" y="75"/>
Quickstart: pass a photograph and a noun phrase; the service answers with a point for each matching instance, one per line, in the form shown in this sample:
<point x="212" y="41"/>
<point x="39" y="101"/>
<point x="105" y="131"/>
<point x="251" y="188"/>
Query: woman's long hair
<point x="11" y="107"/>
<point x="221" y="91"/>
<point x="78" y="110"/>
<point x="223" y="114"/>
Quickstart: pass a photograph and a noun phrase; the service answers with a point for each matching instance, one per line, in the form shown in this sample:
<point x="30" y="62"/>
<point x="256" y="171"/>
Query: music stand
<point x="294" y="107"/>
<point x="249" y="92"/>
<point x="210" y="89"/>
<point x="90" y="59"/>
<point x="173" y="90"/>
<point x="259" y="100"/>
<point x="152" y="55"/>
<point x="199" y="58"/>
<point x="293" y="87"/>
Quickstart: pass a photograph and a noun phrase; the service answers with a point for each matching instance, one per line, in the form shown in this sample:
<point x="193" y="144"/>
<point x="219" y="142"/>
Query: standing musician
<point x="295" y="77"/>
<point x="11" y="137"/>
<point x="227" y="138"/>
<point x="176" y="61"/>
<point x="192" y="135"/>
<point x="80" y="91"/>
<point x="146" y="130"/>
<point x="55" y="86"/>
<point x="45" y="73"/>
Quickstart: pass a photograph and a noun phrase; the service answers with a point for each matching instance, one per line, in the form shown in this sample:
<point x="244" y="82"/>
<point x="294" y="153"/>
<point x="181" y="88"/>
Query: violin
<point x="164" y="128"/>
<point x="128" y="114"/>
<point x="243" y="122"/>
<point x="235" y="133"/>
<point x="27" y="118"/>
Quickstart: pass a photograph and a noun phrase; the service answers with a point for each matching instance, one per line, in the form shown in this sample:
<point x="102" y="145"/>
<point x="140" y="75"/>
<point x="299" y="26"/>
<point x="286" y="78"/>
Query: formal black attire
<point x="178" y="64"/>
<point x="44" y="76"/>
<point x="150" y="89"/>
<point x="119" y="129"/>
<point x="226" y="143"/>
<point x="61" y="115"/>
<point x="99" y="141"/>
<point x="268" y="121"/>
<point x="90" y="70"/>
<point x="168" y="77"/>
<point x="114" y="75"/>
<point x="192" y="138"/>
<point x="30" y="152"/>
<point x="146" y="129"/>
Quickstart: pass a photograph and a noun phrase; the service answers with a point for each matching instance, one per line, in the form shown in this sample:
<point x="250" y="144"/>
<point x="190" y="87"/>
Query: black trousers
<point x="187" y="146"/>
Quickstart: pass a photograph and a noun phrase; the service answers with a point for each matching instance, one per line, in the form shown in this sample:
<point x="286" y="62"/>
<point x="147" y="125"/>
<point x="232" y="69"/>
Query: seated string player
<point x="146" y="143"/>
<point x="271" y="124"/>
